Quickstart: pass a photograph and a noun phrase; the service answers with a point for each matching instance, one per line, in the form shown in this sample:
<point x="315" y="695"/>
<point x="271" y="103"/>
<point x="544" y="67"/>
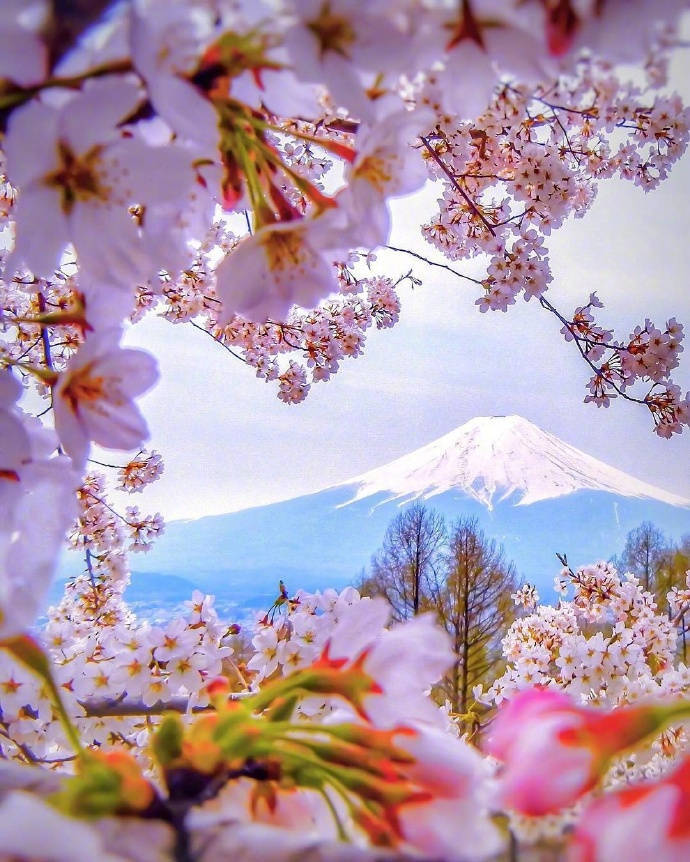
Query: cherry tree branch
<point x="548" y="306"/>
<point x="456" y="185"/>
<point x="113" y="707"/>
<point x="218" y="341"/>
<point x="595" y="368"/>
<point x="435" y="263"/>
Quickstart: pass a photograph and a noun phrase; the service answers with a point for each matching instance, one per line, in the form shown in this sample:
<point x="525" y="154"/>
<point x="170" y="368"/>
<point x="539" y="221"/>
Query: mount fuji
<point x="498" y="458"/>
<point x="532" y="492"/>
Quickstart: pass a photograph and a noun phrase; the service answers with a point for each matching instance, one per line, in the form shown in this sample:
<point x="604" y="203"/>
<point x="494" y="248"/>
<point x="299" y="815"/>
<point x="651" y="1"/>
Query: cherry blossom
<point x="572" y="746"/>
<point x="279" y="266"/>
<point x="23" y="55"/>
<point x="229" y="166"/>
<point x="145" y="468"/>
<point x="384" y="167"/>
<point x="79" y="176"/>
<point x="639" y="821"/>
<point x="36" y="503"/>
<point x="93" y="397"/>
<point x="59" y="838"/>
<point x="343" y="45"/>
<point x="166" y="43"/>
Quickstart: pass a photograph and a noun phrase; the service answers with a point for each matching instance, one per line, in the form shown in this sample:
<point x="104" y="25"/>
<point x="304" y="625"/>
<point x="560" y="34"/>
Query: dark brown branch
<point x="106" y="707"/>
<point x="456" y="185"/>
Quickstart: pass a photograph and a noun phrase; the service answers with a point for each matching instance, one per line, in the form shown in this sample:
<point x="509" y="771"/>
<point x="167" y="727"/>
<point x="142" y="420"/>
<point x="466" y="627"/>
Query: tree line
<point x="456" y="572"/>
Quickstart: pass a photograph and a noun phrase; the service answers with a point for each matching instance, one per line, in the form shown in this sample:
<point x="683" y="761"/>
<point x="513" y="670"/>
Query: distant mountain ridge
<point x="532" y="492"/>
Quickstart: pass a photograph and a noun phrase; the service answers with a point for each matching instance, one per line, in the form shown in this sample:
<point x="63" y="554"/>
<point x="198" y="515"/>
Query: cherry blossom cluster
<point x="304" y="348"/>
<point x="554" y="754"/>
<point x="222" y="90"/>
<point x="513" y="175"/>
<point x="372" y="779"/>
<point x="533" y="158"/>
<point x="648" y="355"/>
<point x="229" y="165"/>
<point x="339" y="704"/>
<point x="526" y="597"/>
<point x="103" y="533"/>
<point x="294" y="631"/>
<point x="101" y="656"/>
<point x="607" y="646"/>
<point x="328" y="672"/>
<point x="143" y="469"/>
<point x="679" y="598"/>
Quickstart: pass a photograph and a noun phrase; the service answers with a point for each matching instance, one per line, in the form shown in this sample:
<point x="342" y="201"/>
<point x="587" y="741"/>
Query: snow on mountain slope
<point x="492" y="458"/>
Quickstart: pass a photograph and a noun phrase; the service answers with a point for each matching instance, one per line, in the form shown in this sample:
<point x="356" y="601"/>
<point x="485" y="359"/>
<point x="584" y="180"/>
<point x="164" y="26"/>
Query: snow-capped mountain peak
<point x="493" y="458"/>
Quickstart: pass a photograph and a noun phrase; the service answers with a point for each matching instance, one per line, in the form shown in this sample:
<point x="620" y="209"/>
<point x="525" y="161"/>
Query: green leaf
<point x="167" y="742"/>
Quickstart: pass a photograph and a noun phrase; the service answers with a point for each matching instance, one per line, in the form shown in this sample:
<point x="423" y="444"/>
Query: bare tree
<point x="472" y="599"/>
<point x="402" y="569"/>
<point x="671" y="572"/>
<point x="643" y="553"/>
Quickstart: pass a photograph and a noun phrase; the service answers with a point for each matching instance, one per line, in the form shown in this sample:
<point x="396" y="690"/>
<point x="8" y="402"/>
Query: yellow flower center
<point x="77" y="177"/>
<point x="333" y="32"/>
<point x="375" y="170"/>
<point x="284" y="250"/>
<point x="84" y="388"/>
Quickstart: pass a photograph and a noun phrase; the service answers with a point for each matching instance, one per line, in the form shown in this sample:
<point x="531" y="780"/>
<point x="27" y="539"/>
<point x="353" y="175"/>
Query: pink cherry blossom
<point x="637" y="823"/>
<point x="554" y="751"/>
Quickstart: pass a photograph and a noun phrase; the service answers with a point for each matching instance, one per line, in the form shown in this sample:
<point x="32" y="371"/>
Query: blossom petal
<point x="121" y="260"/>
<point x="91" y="117"/>
<point x="30" y="142"/>
<point x="42" y="234"/>
<point x="159" y="174"/>
<point x="185" y="110"/>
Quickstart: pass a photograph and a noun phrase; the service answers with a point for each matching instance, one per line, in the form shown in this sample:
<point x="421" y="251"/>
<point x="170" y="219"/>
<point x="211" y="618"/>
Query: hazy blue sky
<point x="229" y="443"/>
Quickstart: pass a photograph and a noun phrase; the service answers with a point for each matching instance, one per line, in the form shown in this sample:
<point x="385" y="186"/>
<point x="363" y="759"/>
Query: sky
<point x="229" y="443"/>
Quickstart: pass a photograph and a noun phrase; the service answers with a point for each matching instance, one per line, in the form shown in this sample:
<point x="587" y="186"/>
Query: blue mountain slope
<point x="530" y="491"/>
<point x="314" y="541"/>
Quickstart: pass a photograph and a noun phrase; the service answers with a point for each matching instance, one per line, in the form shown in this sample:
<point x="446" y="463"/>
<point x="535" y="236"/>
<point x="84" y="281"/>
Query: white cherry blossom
<point x="93" y="398"/>
<point x="342" y="43"/>
<point x="36" y="505"/>
<point x="79" y="176"/>
<point x="167" y="41"/>
<point x="387" y="165"/>
<point x="281" y="265"/>
<point x="57" y="839"/>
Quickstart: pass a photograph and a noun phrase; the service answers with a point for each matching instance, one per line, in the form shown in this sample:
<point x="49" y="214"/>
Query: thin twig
<point x="434" y="263"/>
<point x="595" y="368"/>
<point x="218" y="341"/>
